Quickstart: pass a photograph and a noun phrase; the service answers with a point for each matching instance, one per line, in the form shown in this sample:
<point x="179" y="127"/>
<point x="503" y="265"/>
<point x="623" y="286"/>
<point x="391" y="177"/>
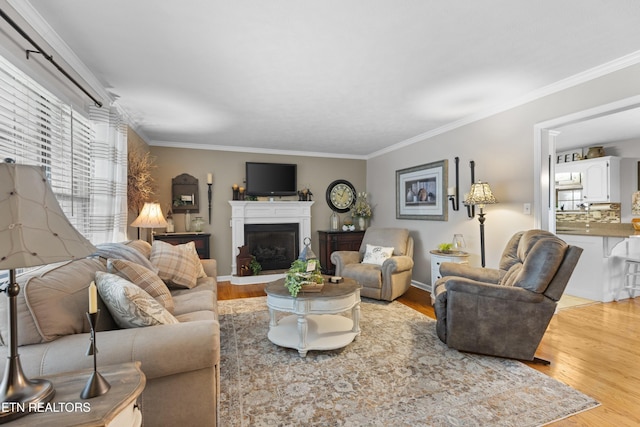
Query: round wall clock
<point x="341" y="194"/>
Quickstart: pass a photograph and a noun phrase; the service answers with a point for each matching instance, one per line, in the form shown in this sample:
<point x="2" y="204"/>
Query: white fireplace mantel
<point x="276" y="212"/>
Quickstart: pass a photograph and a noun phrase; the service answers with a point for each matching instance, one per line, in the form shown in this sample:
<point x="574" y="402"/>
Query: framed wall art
<point x="421" y="192"/>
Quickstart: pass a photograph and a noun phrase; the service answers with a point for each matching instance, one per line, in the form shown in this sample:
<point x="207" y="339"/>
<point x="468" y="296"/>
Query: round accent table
<point x="315" y="323"/>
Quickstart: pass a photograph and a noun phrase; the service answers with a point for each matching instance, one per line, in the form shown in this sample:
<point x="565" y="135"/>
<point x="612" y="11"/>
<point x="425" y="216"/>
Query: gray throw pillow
<point x="130" y="305"/>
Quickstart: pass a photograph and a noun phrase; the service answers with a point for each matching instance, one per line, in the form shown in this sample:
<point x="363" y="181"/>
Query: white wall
<point x="502" y="148"/>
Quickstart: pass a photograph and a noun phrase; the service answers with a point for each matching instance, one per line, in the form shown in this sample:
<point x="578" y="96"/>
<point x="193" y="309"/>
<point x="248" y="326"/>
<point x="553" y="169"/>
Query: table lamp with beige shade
<point x="150" y="217"/>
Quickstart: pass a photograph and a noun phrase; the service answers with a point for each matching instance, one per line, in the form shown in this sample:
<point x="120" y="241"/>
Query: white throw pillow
<point x="376" y="254"/>
<point x="129" y="304"/>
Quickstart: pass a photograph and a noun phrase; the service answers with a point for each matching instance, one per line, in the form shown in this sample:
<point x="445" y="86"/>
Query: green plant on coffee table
<point x="300" y="273"/>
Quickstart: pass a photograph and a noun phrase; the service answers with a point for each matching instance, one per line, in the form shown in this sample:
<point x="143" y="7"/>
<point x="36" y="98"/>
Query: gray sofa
<point x="180" y="361"/>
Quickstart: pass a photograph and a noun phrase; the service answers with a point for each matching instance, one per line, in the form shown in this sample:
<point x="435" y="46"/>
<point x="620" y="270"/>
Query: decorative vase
<point x="335" y="221"/>
<point x="197" y="224"/>
<point x="187" y="221"/>
<point x="595" y="152"/>
<point x="410" y="195"/>
<point x="458" y="243"/>
<point x="362" y="223"/>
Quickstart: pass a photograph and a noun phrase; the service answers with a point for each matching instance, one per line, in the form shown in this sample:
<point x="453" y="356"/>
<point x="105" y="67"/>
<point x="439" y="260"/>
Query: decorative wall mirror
<point x="184" y="194"/>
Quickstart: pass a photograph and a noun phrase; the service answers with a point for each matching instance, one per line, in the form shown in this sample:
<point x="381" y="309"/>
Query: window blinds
<point x="38" y="129"/>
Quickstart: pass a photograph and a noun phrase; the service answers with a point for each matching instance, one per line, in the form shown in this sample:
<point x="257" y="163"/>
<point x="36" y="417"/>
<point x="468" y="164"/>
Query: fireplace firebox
<point x="275" y="246"/>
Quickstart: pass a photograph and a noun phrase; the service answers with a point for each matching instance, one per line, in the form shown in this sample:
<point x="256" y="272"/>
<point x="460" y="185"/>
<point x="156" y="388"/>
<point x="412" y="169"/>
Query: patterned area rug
<point x="396" y="373"/>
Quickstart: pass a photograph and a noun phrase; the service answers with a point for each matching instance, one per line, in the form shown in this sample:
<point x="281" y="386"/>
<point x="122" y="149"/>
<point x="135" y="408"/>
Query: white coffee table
<point x="316" y="323"/>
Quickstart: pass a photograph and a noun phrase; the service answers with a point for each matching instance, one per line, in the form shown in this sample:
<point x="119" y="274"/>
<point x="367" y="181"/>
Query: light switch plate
<point x="527" y="209"/>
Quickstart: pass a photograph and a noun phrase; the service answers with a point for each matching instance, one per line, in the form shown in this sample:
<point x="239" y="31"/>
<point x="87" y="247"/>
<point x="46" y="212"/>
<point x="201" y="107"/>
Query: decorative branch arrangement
<point x="140" y="183"/>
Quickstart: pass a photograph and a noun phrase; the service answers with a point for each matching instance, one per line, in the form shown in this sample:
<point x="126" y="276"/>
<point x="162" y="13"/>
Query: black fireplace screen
<point x="275" y="246"/>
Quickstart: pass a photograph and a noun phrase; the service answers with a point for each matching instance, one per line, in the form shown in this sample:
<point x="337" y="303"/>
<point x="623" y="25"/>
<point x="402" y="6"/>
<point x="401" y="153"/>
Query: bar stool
<point x="630" y="274"/>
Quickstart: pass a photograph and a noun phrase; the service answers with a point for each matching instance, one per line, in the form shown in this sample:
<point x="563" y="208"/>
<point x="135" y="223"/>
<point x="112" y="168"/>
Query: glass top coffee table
<point x="316" y="323"/>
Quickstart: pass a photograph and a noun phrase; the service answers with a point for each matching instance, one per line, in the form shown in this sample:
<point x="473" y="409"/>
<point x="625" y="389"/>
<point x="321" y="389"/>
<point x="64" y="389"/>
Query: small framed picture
<point x="421" y="192"/>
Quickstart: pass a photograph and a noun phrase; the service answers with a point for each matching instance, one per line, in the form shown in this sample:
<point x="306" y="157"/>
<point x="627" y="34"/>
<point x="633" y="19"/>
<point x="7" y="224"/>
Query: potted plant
<point x="362" y="210"/>
<point x="255" y="266"/>
<point x="303" y="273"/>
<point x="445" y="248"/>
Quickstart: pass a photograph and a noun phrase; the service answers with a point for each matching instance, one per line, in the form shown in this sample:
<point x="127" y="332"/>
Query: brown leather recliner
<point x="505" y="312"/>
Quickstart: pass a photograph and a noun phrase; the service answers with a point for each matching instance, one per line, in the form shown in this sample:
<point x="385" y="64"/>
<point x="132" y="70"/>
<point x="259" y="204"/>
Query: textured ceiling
<point x="349" y="78"/>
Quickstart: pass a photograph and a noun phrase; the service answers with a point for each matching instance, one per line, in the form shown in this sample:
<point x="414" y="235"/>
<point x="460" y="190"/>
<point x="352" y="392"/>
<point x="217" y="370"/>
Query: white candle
<point x="93" y="298"/>
<point x="452" y="191"/>
<point x="209" y="178"/>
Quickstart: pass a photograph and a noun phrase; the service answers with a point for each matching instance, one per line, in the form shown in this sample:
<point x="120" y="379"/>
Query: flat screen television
<point x="271" y="179"/>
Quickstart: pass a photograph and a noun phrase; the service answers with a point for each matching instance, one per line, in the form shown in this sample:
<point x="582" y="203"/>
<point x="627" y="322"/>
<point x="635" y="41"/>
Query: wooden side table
<point x="331" y="241"/>
<point x="438" y="258"/>
<point x="117" y="407"/>
<point x="201" y="241"/>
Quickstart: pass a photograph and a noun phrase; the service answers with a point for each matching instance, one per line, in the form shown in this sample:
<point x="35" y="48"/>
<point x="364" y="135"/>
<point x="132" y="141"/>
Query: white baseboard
<point x="420" y="285"/>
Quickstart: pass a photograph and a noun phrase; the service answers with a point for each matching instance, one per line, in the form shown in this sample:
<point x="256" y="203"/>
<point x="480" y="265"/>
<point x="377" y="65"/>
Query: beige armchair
<point x="386" y="281"/>
<point x="505" y="312"/>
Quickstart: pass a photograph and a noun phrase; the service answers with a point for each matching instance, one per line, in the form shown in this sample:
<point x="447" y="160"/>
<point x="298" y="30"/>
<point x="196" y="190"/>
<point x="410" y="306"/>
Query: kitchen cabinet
<point x="600" y="178"/>
<point x="596" y="274"/>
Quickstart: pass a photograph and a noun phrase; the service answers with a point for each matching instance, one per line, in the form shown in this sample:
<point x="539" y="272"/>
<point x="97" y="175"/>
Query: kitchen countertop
<point x="596" y="229"/>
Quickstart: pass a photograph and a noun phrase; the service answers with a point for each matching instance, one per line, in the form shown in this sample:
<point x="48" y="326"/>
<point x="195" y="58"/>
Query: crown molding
<point x="253" y="150"/>
<point x="576" y="79"/>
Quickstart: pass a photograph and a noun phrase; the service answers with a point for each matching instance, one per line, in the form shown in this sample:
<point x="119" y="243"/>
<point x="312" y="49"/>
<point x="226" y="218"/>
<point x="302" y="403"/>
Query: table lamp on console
<point x="150" y="217"/>
<point x="33" y="231"/>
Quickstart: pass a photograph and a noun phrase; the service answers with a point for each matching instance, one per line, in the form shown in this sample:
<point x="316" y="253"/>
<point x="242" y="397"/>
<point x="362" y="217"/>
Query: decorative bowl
<point x="636" y="223"/>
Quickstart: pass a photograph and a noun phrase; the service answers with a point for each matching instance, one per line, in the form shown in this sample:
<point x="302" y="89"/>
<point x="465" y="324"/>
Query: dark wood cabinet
<point x="201" y="241"/>
<point x="331" y="241"/>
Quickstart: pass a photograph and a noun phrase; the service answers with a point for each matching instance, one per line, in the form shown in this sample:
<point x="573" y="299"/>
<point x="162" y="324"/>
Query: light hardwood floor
<point x="593" y="348"/>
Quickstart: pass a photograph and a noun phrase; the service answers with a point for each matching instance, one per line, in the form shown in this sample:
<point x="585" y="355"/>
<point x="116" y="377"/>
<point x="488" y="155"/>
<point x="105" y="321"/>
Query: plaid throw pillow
<point x="191" y="248"/>
<point x="175" y="266"/>
<point x="143" y="277"/>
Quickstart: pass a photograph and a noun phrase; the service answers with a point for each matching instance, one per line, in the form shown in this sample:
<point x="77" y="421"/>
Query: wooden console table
<point x="117" y="407"/>
<point x="201" y="241"/>
<point x="331" y="241"/>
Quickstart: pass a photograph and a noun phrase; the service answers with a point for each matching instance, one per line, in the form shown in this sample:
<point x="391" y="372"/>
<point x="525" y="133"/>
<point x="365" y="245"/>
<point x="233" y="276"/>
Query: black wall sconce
<point x="471" y="209"/>
<point x="209" y="184"/>
<point x="455" y="197"/>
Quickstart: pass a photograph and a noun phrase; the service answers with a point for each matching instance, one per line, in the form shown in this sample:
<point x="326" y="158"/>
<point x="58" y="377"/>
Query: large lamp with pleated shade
<point x="33" y="231"/>
<point x="150" y="217"/>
